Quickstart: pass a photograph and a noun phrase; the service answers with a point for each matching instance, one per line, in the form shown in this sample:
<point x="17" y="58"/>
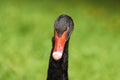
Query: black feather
<point x="58" y="70"/>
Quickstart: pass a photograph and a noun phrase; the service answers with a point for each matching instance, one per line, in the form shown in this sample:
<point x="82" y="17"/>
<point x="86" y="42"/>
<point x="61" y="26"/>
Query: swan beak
<point x="59" y="46"/>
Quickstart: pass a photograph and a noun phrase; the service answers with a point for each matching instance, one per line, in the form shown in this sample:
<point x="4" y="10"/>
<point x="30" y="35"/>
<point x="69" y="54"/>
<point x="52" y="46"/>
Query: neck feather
<point x="58" y="70"/>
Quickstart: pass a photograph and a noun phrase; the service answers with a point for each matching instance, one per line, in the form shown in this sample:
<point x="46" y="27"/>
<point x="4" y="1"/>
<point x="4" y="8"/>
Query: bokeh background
<point x="26" y="29"/>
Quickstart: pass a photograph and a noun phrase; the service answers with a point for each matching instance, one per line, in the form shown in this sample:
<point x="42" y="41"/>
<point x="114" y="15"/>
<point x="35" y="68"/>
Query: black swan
<point x="58" y="63"/>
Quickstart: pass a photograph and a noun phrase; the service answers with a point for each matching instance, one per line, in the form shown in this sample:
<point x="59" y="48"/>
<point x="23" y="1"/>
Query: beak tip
<point x="57" y="55"/>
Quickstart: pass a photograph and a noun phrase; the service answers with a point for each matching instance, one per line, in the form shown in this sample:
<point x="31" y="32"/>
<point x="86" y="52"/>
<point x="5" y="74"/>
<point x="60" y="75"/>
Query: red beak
<point x="59" y="46"/>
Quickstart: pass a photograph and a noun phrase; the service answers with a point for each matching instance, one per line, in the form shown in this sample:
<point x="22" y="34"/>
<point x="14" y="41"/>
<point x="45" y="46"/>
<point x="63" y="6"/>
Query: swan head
<point x="63" y="28"/>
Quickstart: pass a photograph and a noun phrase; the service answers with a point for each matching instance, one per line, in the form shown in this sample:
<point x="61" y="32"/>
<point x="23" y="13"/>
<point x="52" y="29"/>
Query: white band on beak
<point x="57" y="55"/>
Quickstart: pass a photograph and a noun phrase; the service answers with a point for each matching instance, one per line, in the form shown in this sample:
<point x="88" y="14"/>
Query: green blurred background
<point x="26" y="29"/>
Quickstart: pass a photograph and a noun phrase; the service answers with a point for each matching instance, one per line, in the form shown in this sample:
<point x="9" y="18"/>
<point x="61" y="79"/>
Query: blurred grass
<point x="26" y="29"/>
